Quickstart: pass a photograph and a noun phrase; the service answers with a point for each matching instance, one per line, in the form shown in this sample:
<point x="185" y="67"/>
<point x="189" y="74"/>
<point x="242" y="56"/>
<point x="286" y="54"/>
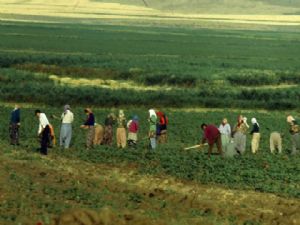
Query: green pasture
<point x="189" y="66"/>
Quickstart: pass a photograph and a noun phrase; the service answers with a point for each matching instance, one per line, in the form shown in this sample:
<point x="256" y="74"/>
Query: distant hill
<point x="219" y="6"/>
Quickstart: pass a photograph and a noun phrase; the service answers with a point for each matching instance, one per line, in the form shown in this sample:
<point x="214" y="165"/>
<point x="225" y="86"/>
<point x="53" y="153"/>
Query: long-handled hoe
<point x="196" y="146"/>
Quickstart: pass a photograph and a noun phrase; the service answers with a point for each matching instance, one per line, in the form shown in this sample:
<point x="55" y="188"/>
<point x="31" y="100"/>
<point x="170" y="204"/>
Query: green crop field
<point x="263" y="172"/>
<point x="196" y="68"/>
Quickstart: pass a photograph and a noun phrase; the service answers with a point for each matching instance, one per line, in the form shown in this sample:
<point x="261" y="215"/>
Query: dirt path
<point x="38" y="188"/>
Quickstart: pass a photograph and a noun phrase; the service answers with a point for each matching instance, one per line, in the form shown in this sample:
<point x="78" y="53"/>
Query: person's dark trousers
<point x="45" y="140"/>
<point x="14" y="133"/>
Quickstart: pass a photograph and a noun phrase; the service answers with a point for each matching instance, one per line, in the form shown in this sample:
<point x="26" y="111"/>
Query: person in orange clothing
<point x="161" y="130"/>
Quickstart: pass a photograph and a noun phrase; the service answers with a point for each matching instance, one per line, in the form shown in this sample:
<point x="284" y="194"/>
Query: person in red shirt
<point x="212" y="135"/>
<point x="133" y="127"/>
<point x="161" y="127"/>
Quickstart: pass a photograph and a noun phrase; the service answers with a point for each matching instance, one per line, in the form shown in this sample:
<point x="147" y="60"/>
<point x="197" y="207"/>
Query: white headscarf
<point x="152" y="113"/>
<point x="254" y="121"/>
<point x="290" y="119"/>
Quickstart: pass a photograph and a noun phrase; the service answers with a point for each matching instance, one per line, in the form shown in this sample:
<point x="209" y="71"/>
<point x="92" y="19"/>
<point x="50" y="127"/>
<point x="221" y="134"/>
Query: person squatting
<point x="229" y="140"/>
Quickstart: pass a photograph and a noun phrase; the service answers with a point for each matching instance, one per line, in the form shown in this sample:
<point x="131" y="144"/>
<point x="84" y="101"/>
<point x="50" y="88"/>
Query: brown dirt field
<point x="35" y="188"/>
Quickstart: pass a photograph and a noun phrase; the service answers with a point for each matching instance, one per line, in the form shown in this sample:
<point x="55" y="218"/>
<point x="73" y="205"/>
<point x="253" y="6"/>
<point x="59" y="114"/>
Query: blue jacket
<point x="90" y="121"/>
<point x="15" y="116"/>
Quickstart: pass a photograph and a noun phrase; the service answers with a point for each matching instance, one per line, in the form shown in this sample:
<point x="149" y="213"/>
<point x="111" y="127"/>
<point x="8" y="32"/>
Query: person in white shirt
<point x="67" y="119"/>
<point x="225" y="131"/>
<point x="44" y="131"/>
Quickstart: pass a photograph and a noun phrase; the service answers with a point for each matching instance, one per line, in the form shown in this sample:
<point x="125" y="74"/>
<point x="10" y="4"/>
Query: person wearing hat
<point x="44" y="131"/>
<point x="67" y="119"/>
<point x="295" y="134"/>
<point x="121" y="130"/>
<point x="255" y="136"/>
<point x="239" y="134"/>
<point x="133" y="127"/>
<point x="90" y="126"/>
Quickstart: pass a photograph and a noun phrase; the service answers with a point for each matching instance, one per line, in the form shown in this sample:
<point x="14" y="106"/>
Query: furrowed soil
<point x="39" y="189"/>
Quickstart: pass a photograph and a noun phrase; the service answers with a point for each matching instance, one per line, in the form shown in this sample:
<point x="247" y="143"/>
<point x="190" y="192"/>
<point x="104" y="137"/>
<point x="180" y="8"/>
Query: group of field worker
<point x="229" y="141"/>
<point x="127" y="130"/>
<point x="96" y="134"/>
<point x="233" y="141"/>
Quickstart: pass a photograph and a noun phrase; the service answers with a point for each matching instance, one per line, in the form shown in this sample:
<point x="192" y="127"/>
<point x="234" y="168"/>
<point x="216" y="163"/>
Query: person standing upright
<point x="67" y="119"/>
<point x="44" y="131"/>
<point x="133" y="127"/>
<point x="121" y="130"/>
<point x="152" y="129"/>
<point x="108" y="129"/>
<point x="225" y="131"/>
<point x="239" y="134"/>
<point x="255" y="136"/>
<point x="295" y="134"/>
<point x="161" y="129"/>
<point x="14" y="126"/>
<point x="90" y="126"/>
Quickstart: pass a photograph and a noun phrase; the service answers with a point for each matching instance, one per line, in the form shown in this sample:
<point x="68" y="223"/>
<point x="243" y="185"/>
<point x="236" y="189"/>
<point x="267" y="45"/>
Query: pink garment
<point x="133" y="127"/>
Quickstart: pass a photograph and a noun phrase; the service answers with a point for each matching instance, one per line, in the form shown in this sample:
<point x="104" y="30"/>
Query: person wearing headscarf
<point x="67" y="119"/>
<point x="276" y="142"/>
<point x="43" y="131"/>
<point x="161" y="127"/>
<point x="133" y="127"/>
<point x="108" y="129"/>
<point x="255" y="136"/>
<point x="14" y="126"/>
<point x="295" y="134"/>
<point x="239" y="134"/>
<point x="89" y="124"/>
<point x="121" y="130"/>
<point x="152" y="128"/>
<point x="225" y="131"/>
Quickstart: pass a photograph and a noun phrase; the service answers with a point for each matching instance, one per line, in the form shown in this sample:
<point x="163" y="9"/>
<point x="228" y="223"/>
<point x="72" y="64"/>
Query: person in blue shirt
<point x="14" y="126"/>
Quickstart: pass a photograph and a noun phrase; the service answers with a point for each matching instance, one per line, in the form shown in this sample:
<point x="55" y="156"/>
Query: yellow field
<point x="111" y="84"/>
<point x="89" y="10"/>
